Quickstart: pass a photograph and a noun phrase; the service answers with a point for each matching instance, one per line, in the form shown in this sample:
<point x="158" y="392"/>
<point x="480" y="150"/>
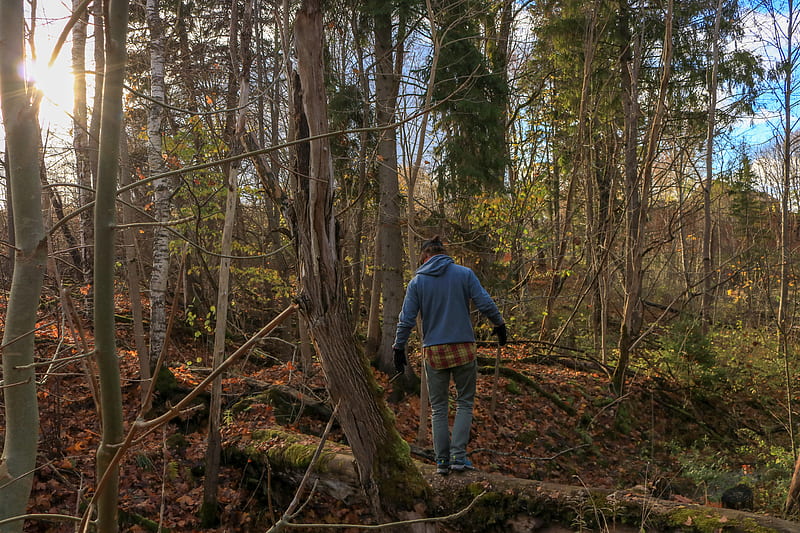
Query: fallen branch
<point x="527" y="458"/>
<point x="522" y="378"/>
<point x="432" y="520"/>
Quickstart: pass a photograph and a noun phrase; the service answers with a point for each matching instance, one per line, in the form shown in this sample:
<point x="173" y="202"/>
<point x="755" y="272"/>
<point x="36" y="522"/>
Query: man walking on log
<point x="441" y="291"/>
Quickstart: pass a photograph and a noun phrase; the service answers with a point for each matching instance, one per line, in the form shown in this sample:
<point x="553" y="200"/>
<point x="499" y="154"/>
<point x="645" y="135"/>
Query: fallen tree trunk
<point x="509" y="504"/>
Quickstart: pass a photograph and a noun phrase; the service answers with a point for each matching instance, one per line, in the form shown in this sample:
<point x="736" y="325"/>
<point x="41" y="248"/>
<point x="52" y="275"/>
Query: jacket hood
<point x="436" y="265"/>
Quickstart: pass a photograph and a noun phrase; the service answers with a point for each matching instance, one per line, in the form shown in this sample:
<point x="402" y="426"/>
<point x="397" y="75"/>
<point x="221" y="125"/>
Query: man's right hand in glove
<point x="502" y="334"/>
<point x="399" y="359"/>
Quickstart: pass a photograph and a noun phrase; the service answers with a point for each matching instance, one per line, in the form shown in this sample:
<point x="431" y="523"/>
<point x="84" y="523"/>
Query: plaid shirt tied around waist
<point x="442" y="356"/>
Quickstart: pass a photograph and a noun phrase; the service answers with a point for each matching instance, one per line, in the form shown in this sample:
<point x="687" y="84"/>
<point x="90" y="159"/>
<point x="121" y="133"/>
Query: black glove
<point x="399" y="359"/>
<point x="502" y="334"/>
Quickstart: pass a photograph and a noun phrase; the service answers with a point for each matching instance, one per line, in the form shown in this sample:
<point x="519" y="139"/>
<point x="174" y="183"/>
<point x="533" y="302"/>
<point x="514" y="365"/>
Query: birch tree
<point x="162" y="187"/>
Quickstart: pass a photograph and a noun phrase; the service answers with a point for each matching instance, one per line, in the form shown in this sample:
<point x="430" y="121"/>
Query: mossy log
<point x="287" y="458"/>
<point x="507" y="503"/>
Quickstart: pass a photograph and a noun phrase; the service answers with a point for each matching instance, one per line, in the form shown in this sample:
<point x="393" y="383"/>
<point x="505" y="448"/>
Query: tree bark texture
<point x="385" y="470"/>
<point x="391" y="254"/>
<point x="162" y="187"/>
<point x="18" y="460"/>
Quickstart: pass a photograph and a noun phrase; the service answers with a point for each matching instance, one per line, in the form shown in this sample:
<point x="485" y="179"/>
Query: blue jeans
<point x="444" y="446"/>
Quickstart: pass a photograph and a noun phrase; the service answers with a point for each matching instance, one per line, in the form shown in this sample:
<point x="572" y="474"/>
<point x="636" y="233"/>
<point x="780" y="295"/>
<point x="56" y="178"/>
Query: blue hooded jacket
<point x="441" y="291"/>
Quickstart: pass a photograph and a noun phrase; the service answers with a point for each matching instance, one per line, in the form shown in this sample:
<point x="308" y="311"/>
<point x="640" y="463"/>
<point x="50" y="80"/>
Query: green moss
<point x="177" y="441"/>
<point x="288" y="452"/>
<point x="401" y="484"/>
<point x="707" y="520"/>
<point x="128" y="518"/>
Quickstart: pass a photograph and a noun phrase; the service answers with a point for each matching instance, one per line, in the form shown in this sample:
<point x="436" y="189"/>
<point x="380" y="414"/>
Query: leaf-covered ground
<point x="551" y="423"/>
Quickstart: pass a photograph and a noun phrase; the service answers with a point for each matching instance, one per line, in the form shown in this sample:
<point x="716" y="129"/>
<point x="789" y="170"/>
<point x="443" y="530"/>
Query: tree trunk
<point x="240" y="54"/>
<point x="80" y="135"/>
<point x="595" y="213"/>
<point x="386" y="473"/>
<point x="708" y="263"/>
<point x="632" y="307"/>
<point x="637" y="189"/>
<point x="784" y="318"/>
<point x="162" y="187"/>
<point x="104" y="261"/>
<point x="562" y="229"/>
<point x="99" y="27"/>
<point x="358" y="24"/>
<point x="513" y="504"/>
<point x="391" y="255"/>
<point x="134" y="274"/>
<point x="18" y="460"/>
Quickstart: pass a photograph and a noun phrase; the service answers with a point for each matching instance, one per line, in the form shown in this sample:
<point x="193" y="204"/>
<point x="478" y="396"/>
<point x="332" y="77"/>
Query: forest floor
<point x="552" y="422"/>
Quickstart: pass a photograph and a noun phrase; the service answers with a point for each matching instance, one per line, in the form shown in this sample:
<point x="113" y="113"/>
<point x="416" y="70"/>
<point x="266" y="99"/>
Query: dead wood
<point x="511" y="504"/>
<point x="289" y="403"/>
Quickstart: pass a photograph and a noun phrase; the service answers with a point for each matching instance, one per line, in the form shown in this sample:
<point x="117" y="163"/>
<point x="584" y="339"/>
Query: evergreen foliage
<point x="470" y="102"/>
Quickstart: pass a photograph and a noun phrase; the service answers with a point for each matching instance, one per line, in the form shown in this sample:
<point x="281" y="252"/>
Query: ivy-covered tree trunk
<point x="386" y="472"/>
<point x="30" y="251"/>
<point x="104" y="265"/>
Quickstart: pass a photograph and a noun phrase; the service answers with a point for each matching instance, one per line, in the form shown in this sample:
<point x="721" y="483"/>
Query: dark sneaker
<point x="460" y="466"/>
<point x="442" y="468"/>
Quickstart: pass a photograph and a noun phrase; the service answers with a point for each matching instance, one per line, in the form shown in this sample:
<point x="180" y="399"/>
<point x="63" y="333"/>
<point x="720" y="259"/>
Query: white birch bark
<point x="159" y="275"/>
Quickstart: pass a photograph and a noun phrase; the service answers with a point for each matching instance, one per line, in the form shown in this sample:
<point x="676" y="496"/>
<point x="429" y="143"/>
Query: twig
<point x="40" y="516"/>
<point x="435" y="519"/>
<point x="292" y="510"/>
<point x="495" y="380"/>
<point x="141" y="428"/>
<point x="525" y="457"/>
